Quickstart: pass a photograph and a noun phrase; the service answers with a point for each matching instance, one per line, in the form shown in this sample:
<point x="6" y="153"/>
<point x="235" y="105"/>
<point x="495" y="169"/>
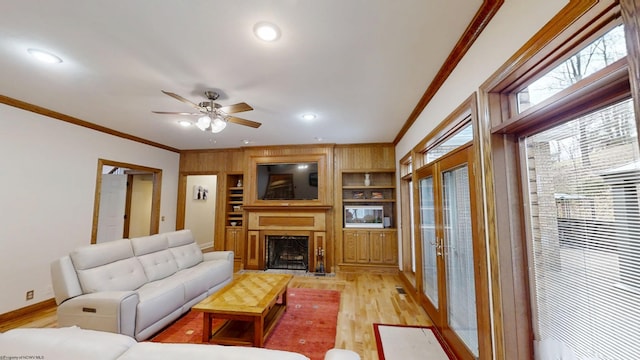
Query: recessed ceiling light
<point x="246" y="142"/>
<point x="266" y="31"/>
<point x="44" y="56"/>
<point x="318" y="138"/>
<point x="309" y="116"/>
<point x="185" y="123"/>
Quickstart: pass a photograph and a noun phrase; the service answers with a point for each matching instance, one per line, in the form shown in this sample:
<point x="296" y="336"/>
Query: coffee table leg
<point x="258" y="331"/>
<point x="206" y="327"/>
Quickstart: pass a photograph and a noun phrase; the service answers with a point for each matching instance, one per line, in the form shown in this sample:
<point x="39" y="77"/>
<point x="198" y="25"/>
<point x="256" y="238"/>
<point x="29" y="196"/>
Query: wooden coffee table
<point x="250" y="306"/>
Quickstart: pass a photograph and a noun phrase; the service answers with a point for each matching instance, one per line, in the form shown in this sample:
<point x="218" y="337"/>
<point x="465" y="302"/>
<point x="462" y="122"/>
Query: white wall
<point x="514" y="24"/>
<point x="47" y="184"/>
<point x="141" y="199"/>
<point x="200" y="215"/>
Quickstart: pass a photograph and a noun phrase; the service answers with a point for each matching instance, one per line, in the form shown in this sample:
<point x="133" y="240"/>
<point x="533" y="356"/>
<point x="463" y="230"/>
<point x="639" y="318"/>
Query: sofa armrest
<point x="341" y="354"/>
<point x="112" y="311"/>
<point x="64" y="279"/>
<point x="218" y="255"/>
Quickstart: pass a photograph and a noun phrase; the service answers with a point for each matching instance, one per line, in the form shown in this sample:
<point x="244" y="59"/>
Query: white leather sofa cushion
<point x="341" y="354"/>
<point x="88" y="257"/>
<point x="65" y="343"/>
<point x="126" y="274"/>
<point x="157" y="300"/>
<point x="162" y="351"/>
<point x="180" y="237"/>
<point x="158" y="265"/>
<point x="187" y="255"/>
<point x="200" y="278"/>
<point x="149" y="244"/>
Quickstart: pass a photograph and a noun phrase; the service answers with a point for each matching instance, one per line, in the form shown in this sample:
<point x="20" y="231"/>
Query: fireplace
<point x="287" y="252"/>
<point x="301" y="230"/>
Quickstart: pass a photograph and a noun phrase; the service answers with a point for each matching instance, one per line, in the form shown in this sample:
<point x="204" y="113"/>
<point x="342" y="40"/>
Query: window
<point x="561" y="188"/>
<point x="450" y="143"/>
<point x="583" y="182"/>
<point x="596" y="56"/>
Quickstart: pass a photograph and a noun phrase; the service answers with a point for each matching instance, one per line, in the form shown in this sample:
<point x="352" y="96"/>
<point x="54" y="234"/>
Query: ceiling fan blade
<point x="175" y="113"/>
<point x="245" y="122"/>
<point x="236" y="108"/>
<point x="180" y="98"/>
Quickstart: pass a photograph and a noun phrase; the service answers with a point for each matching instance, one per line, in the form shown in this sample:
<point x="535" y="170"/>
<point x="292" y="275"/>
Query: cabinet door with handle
<point x="376" y="239"/>
<point x="362" y="247"/>
<point x="390" y="248"/>
<point x="349" y="246"/>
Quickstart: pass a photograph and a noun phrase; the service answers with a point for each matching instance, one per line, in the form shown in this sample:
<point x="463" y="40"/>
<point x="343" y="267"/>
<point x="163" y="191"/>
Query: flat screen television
<point x="287" y="181"/>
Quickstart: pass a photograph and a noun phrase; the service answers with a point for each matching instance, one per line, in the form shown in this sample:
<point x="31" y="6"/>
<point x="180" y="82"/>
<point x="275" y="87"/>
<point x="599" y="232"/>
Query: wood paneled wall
<point x="212" y="161"/>
<point x="374" y="156"/>
<point x="365" y="157"/>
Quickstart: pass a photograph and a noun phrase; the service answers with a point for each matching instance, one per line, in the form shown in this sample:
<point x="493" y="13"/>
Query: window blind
<point x="583" y="182"/>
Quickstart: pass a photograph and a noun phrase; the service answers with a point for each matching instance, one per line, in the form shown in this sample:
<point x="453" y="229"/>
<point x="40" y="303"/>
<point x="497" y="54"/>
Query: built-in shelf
<point x="370" y="187"/>
<point x="234" y="217"/>
<point x="373" y="246"/>
<point x="235" y="200"/>
<point x="368" y="201"/>
<point x="379" y="190"/>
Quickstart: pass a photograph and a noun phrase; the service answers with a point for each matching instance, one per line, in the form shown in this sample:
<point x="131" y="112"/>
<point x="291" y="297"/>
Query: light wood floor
<point x="366" y="298"/>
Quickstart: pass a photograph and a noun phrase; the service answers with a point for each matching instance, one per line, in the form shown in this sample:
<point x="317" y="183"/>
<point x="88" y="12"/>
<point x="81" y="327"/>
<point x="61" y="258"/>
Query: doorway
<point x="447" y="207"/>
<point x="200" y="208"/>
<point x="127" y="201"/>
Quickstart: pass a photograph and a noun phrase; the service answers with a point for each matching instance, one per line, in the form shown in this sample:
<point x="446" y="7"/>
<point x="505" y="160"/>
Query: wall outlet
<point x="29" y="295"/>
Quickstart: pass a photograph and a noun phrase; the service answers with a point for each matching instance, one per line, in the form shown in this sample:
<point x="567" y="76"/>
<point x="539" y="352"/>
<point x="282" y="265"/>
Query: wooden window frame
<point x="578" y="23"/>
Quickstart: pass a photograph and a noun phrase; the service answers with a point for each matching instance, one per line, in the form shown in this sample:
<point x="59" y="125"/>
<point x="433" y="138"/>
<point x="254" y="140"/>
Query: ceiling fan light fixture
<point x="203" y="122"/>
<point x="218" y="124"/>
<point x="309" y="116"/>
<point x="43" y="56"/>
<point x="266" y="31"/>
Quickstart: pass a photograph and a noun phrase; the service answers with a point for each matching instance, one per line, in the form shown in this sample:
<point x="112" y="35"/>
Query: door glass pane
<point x="583" y="184"/>
<point x="412" y="220"/>
<point x="428" y="238"/>
<point x="458" y="241"/>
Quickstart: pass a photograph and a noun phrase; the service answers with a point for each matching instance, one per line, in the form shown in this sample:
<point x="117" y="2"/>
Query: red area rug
<point x="307" y="327"/>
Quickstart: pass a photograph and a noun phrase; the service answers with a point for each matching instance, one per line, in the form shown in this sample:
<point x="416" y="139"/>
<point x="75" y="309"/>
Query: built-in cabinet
<point x="375" y="243"/>
<point x="234" y="218"/>
<point x="367" y="246"/>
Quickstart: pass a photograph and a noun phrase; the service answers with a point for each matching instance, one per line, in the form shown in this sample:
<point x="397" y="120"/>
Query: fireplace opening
<point x="287" y="252"/>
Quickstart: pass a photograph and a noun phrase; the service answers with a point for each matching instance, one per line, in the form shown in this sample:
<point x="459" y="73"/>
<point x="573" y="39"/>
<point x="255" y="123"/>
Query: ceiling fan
<point x="213" y="116"/>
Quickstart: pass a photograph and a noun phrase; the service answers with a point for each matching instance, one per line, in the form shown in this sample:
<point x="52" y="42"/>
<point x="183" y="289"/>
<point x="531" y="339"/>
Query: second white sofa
<point x="136" y="286"/>
<point x="74" y="343"/>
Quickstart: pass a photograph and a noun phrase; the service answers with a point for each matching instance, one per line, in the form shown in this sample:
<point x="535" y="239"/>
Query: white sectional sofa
<point x="74" y="343"/>
<point x="136" y="286"/>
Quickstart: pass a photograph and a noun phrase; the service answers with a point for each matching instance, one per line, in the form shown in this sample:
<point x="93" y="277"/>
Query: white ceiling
<point x="360" y="65"/>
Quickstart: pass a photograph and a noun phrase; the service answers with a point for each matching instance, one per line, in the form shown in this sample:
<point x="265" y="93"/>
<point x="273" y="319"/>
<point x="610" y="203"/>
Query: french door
<point x="448" y="281"/>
